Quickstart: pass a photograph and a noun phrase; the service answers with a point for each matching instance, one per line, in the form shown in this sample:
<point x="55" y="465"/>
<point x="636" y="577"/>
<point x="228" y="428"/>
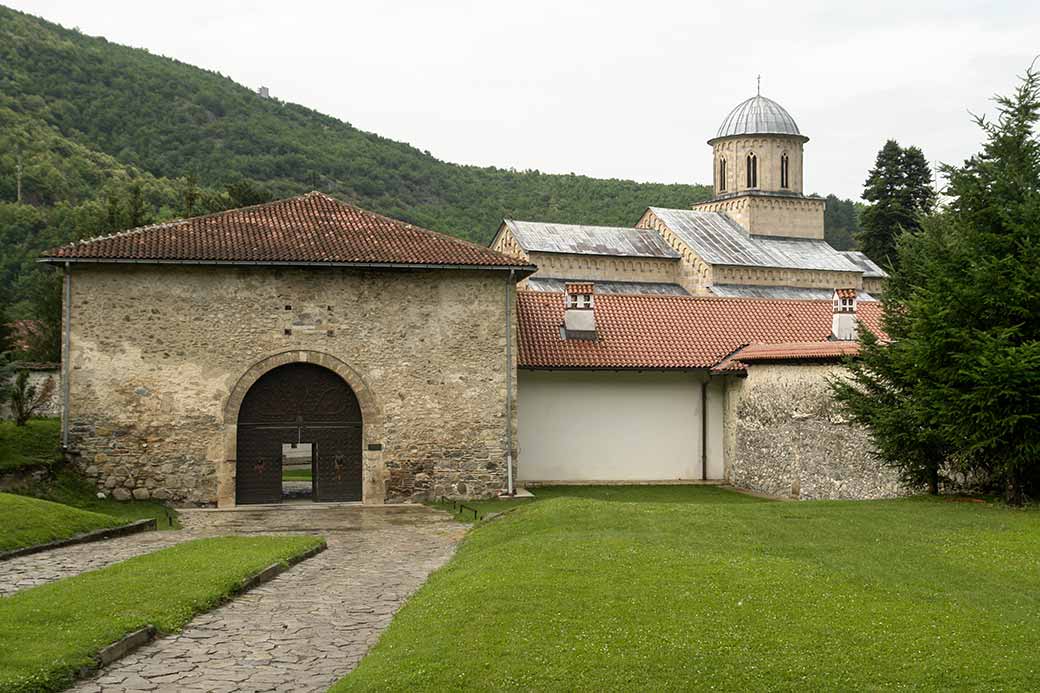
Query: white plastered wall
<point x="616" y="426"/>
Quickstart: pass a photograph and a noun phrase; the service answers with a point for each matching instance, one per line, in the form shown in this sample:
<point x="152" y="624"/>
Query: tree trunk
<point x="1013" y="491"/>
<point x="933" y="482"/>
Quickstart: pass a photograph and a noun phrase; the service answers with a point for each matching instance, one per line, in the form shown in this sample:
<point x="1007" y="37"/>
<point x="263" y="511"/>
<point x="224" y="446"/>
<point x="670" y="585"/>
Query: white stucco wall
<point x="614" y="426"/>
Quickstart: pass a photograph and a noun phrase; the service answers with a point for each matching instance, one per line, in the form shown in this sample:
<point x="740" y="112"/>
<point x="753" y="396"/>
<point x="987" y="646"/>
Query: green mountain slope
<point x="162" y="117"/>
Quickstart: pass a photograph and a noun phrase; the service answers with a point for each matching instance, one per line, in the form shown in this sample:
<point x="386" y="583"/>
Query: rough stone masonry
<point x="157" y="353"/>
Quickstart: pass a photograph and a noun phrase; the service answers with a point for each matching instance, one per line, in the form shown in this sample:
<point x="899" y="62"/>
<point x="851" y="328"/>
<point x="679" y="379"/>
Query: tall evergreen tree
<point x="900" y="191"/>
<point x="958" y="384"/>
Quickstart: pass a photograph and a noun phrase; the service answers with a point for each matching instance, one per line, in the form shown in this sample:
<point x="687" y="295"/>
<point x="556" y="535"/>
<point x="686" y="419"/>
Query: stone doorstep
<point x="96" y="535"/>
<point x="131" y="642"/>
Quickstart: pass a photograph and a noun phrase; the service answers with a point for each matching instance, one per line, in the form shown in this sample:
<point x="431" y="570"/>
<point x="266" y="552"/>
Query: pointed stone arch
<point x="373" y="468"/>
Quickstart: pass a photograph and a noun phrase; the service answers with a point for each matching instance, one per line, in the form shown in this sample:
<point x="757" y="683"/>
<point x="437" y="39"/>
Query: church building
<point x="205" y="357"/>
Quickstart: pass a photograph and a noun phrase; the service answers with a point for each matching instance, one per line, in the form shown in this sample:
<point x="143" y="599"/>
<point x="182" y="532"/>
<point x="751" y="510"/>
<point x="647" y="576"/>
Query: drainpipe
<point x="509" y="389"/>
<point x="65" y="358"/>
<point x="704" y="429"/>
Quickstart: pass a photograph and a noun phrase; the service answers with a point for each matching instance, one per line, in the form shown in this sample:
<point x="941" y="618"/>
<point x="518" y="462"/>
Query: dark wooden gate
<point x="299" y="403"/>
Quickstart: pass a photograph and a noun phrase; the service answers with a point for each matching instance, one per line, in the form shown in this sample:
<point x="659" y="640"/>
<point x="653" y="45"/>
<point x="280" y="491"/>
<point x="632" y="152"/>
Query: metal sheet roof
<point x="718" y="240"/>
<point x="758" y="116"/>
<point x="787" y="292"/>
<point x="869" y="267"/>
<point x="555" y="285"/>
<point x="589" y="240"/>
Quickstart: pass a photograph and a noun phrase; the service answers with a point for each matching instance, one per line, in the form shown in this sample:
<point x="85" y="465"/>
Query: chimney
<point x="843" y="323"/>
<point x="579" y="315"/>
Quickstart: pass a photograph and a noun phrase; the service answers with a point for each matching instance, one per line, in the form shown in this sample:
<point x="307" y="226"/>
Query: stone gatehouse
<point x="174" y="326"/>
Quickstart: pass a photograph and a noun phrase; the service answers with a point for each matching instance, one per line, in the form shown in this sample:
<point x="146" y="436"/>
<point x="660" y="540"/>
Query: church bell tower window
<point x="752" y="171"/>
<point x="783" y="171"/>
<point x="722" y="175"/>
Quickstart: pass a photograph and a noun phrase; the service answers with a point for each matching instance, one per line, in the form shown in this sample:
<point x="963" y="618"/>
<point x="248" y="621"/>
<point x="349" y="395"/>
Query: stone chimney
<point x="579" y="315"/>
<point x="843" y="323"/>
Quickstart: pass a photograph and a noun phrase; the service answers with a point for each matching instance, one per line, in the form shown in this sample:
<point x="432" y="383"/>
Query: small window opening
<point x="784" y="171"/>
<point x="752" y="171"/>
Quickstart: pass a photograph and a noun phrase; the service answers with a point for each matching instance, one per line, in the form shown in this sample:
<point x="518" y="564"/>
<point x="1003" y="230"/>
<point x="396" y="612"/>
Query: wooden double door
<point x="299" y="403"/>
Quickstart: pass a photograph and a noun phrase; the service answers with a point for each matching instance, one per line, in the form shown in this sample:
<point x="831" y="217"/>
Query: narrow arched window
<point x="722" y="175"/>
<point x="784" y="180"/>
<point x="752" y="171"/>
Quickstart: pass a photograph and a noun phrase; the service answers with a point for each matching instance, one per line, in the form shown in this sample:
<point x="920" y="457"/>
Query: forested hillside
<point x="107" y="137"/>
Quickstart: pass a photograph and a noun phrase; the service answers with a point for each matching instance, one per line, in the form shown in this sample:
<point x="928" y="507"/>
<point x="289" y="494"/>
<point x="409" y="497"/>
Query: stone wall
<point x="159" y="355"/>
<point x="787" y="216"/>
<point x="784" y="437"/>
<point x="768" y="149"/>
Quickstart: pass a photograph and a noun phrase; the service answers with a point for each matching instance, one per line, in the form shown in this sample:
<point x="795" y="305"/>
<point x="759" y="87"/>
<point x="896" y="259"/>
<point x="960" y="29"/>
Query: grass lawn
<point x="69" y="488"/>
<point x="48" y="632"/>
<point x="678" y="493"/>
<point x="296" y="475"/>
<point x="28" y="521"/>
<point x="35" y="443"/>
<point x="38" y="442"/>
<point x="709" y="589"/>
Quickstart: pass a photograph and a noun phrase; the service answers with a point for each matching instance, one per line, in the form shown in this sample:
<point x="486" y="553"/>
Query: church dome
<point x="758" y="116"/>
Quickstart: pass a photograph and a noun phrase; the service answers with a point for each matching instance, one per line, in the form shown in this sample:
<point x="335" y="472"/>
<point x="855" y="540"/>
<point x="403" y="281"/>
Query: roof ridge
<point x="183" y="220"/>
<point x="688" y="297"/>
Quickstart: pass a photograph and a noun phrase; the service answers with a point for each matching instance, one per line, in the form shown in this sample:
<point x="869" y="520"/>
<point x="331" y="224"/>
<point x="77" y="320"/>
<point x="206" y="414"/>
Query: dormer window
<point x="783" y="171"/>
<point x="752" y="171"/>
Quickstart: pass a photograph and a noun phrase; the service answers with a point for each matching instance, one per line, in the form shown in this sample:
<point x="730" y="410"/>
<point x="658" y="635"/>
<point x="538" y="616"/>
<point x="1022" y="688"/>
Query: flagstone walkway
<point x="306" y="628"/>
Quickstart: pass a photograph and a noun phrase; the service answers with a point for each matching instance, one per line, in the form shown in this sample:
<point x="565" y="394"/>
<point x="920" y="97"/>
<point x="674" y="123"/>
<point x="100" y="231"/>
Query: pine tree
<point x="900" y="190"/>
<point x="957" y="387"/>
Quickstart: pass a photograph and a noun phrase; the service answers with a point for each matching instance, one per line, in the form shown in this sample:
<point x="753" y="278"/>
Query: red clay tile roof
<point x="787" y="351"/>
<point x="661" y="332"/>
<point x="845" y="293"/>
<point x="309" y="229"/>
<point x="580" y="287"/>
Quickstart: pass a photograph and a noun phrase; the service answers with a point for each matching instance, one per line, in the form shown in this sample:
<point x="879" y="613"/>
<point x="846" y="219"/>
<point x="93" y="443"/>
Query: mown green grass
<point x="663" y="493"/>
<point x="296" y="475"/>
<point x="38" y="443"/>
<point x="35" y="443"/>
<point x="572" y="593"/>
<point x="30" y="521"/>
<point x="71" y="489"/>
<point x="50" y="631"/>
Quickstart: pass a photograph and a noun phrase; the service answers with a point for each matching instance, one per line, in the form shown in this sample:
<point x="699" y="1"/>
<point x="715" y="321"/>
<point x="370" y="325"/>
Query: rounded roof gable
<point x="758" y="116"/>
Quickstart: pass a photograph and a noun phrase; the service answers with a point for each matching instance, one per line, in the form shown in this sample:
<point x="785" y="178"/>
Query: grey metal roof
<point x="544" y="237"/>
<point x="718" y="240"/>
<point x="758" y="116"/>
<point x="552" y="284"/>
<point x="747" y="291"/>
<point x="869" y="267"/>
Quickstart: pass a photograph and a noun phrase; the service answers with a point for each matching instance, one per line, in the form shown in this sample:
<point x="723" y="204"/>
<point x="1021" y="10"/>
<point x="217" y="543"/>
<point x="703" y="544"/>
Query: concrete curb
<point x="96" y="535"/>
<point x="131" y="642"/>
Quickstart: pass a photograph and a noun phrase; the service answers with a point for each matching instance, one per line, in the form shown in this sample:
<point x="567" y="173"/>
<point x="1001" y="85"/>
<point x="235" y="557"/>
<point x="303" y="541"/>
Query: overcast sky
<point x="608" y="89"/>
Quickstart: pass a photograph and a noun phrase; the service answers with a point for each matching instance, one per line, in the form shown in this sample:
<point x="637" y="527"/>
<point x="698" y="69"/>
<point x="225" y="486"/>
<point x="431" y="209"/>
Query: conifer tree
<point x="957" y="384"/>
<point x="900" y="190"/>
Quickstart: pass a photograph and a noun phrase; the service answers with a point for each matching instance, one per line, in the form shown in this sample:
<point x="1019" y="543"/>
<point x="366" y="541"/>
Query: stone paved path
<point x="309" y="626"/>
<point x="38" y="568"/>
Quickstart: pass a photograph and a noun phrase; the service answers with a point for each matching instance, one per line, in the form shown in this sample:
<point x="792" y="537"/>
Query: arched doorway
<point x="294" y="404"/>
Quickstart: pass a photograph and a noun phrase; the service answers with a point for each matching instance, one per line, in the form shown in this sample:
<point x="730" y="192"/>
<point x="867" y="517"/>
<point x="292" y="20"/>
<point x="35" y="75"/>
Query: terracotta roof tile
<point x="661" y="331"/>
<point x="309" y="229"/>
<point x="787" y="351"/>
<point x="846" y="293"/>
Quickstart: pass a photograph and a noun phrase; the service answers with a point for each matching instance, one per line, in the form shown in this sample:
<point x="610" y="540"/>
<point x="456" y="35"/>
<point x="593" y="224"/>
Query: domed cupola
<point x="758" y="116"/>
<point x="758" y="148"/>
